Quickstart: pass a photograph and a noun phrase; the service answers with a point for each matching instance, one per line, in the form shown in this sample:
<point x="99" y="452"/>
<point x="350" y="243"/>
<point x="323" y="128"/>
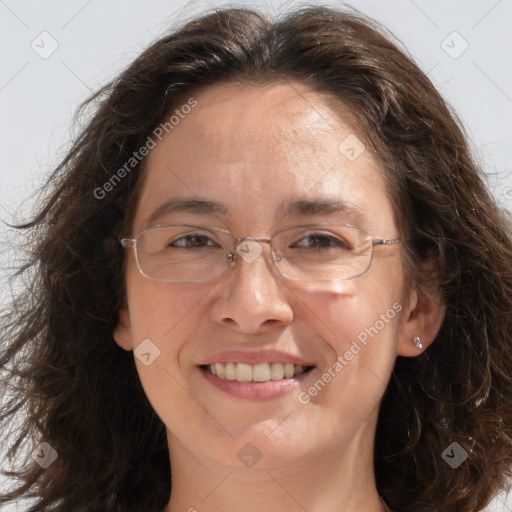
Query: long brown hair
<point x="69" y="384"/>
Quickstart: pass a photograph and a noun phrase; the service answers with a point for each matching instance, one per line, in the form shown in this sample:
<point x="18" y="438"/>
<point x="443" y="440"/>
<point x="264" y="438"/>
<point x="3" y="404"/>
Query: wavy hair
<point x="70" y="385"/>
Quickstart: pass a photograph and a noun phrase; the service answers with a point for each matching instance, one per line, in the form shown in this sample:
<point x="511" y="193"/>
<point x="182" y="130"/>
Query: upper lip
<point x="255" y="357"/>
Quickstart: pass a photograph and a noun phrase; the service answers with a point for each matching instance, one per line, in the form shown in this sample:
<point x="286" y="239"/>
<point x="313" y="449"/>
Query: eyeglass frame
<point x="231" y="256"/>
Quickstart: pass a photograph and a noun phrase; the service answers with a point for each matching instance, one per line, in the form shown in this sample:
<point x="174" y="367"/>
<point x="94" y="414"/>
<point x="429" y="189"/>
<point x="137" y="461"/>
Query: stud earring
<point x="417" y="341"/>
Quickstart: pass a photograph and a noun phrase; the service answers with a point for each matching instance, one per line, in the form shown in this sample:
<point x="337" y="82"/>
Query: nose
<point x="252" y="297"/>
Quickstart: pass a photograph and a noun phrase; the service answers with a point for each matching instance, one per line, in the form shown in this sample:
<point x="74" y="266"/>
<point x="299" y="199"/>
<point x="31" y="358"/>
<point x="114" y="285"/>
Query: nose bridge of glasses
<point x="249" y="248"/>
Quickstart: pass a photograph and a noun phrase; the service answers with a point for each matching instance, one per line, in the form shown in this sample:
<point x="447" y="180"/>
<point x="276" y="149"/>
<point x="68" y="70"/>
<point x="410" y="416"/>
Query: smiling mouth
<point x="262" y="372"/>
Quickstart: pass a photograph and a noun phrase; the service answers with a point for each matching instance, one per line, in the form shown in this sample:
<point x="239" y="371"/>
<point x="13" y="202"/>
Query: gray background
<point x="465" y="47"/>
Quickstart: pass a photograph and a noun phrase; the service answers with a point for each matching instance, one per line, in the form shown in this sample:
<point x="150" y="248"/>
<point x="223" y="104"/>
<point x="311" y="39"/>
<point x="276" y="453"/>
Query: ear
<point x="423" y="317"/>
<point x="123" y="332"/>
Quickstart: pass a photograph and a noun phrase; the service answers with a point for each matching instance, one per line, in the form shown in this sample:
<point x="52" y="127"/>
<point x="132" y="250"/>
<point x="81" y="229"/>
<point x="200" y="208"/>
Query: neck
<point x="339" y="480"/>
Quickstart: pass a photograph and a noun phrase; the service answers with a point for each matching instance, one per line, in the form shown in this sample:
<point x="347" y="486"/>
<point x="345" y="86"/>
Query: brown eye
<point x="321" y="241"/>
<point x="192" y="241"/>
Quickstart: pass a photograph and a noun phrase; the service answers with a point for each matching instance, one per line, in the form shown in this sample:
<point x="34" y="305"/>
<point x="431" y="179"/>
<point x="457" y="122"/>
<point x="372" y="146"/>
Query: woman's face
<point x="270" y="158"/>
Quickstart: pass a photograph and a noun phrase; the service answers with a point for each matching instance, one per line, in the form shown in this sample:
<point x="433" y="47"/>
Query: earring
<point x="417" y="341"/>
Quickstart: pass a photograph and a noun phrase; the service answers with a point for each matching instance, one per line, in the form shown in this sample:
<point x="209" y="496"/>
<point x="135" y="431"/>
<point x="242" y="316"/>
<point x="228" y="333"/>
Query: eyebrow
<point x="300" y="207"/>
<point x="322" y="206"/>
<point x="195" y="206"/>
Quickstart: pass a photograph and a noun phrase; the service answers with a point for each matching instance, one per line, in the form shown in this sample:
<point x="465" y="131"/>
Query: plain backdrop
<point x="54" y="54"/>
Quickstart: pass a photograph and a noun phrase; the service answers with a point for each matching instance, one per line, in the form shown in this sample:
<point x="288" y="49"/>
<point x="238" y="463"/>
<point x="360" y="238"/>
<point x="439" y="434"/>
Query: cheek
<point x="361" y="330"/>
<point x="346" y="310"/>
<point x="163" y="318"/>
<point x="359" y="322"/>
<point x="161" y="310"/>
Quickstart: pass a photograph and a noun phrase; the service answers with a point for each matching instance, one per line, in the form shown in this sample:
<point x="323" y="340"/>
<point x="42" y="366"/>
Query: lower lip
<point x="256" y="390"/>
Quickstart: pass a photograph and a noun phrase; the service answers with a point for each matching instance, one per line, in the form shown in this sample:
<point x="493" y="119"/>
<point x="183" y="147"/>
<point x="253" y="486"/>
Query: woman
<point x="268" y="268"/>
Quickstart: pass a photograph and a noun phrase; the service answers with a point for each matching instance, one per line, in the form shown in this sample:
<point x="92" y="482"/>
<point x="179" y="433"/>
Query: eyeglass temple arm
<point x="125" y="242"/>
<point x="384" y="241"/>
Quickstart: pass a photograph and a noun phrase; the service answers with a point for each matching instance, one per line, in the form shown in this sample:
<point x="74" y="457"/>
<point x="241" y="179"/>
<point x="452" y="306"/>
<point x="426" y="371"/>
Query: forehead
<point x="255" y="147"/>
<point x="270" y="116"/>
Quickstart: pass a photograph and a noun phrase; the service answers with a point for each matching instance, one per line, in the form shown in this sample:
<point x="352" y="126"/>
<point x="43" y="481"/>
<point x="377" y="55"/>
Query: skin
<point x="252" y="148"/>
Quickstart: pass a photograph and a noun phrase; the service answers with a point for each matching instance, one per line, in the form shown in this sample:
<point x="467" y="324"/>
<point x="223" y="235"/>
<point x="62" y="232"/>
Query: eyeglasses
<point x="186" y="253"/>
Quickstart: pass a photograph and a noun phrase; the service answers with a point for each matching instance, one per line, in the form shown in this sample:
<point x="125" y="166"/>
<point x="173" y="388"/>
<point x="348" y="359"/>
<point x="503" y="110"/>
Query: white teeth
<point x="298" y="370"/>
<point x="219" y="370"/>
<point x="277" y="371"/>
<point x="230" y="371"/>
<point x="262" y="372"/>
<point x="288" y="370"/>
<point x="243" y="372"/>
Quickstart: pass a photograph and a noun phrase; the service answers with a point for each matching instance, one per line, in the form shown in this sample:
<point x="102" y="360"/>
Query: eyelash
<point x="331" y="238"/>
<point x="311" y="236"/>
<point x="190" y="236"/>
